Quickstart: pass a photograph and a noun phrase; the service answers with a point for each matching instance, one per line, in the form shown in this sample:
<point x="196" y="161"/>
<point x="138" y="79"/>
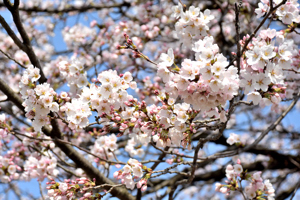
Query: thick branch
<point x="69" y="9"/>
<point x="11" y="33"/>
<point x="11" y="95"/>
<point x="26" y="45"/>
<point x="238" y="45"/>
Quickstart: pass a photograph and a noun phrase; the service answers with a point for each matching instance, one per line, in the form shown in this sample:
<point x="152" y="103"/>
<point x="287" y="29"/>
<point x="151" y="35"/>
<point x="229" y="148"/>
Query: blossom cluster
<point x="130" y="148"/>
<point x="70" y="189"/>
<point x="74" y="73"/>
<point x="263" y="67"/>
<point x="257" y="188"/>
<point x="39" y="100"/>
<point x="10" y="161"/>
<point x="234" y="139"/>
<point x="8" y="169"/>
<point x="132" y="170"/>
<point x="78" y="35"/>
<point x="19" y="163"/>
<point x="104" y="146"/>
<point x="192" y="23"/>
<point x="287" y="13"/>
<point x="204" y="83"/>
<point x="110" y="95"/>
<point x="39" y="167"/>
<point x="166" y="124"/>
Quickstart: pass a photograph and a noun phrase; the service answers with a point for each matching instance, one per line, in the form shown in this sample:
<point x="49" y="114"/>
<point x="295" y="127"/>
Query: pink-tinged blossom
<point x="207" y="55"/>
<point x="206" y="16"/>
<point x="63" y="187"/>
<point x="2" y="117"/>
<point x="223" y="117"/>
<point x="185" y="17"/>
<point x="287" y="12"/>
<point x="238" y="168"/>
<point x="287" y="18"/>
<point x="276" y="99"/>
<point x="250" y="191"/>
<point x="253" y="56"/>
<point x="51" y="193"/>
<point x="64" y="95"/>
<point x="127" y="169"/>
<point x="275" y="73"/>
<point x="131" y="170"/>
<point x="261" y="10"/>
<point x="215" y="85"/>
<point x="233" y="138"/>
<point x="224" y="190"/>
<point x="35" y="74"/>
<point x="11" y="169"/>
<point x="270" y="189"/>
<point x="206" y="72"/>
<point x="127" y="77"/>
<point x="177" y="10"/>
<point x="218" y="187"/>
<point x="267" y="52"/>
<point x="262" y="82"/>
<point x="137" y="171"/>
<point x="284" y="51"/>
<point x="285" y="64"/>
<point x="144" y="188"/>
<point x="193" y="11"/>
<point x="257" y="176"/>
<point x="163" y="72"/>
<point x="167" y="59"/>
<point x="255" y="97"/>
<point x="188" y="70"/>
<point x="219" y="67"/>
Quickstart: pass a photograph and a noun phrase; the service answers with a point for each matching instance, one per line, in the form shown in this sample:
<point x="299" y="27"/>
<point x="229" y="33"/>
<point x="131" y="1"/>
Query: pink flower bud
<point x="139" y="185"/>
<point x="144" y="188"/>
<point x="116" y="174"/>
<point x="93" y="23"/>
<point x="87" y="194"/>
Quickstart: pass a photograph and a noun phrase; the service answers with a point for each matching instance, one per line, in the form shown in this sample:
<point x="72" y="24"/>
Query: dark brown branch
<point x="286" y="193"/>
<point x="69" y="9"/>
<point x="277" y="161"/>
<point x="11" y="33"/>
<point x="26" y="45"/>
<point x="295" y="190"/>
<point x="12" y="59"/>
<point x="11" y="95"/>
<point x="238" y="45"/>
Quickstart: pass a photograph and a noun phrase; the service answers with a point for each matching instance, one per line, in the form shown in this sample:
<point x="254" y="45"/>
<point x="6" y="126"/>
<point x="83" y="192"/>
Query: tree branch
<point x="26" y="45"/>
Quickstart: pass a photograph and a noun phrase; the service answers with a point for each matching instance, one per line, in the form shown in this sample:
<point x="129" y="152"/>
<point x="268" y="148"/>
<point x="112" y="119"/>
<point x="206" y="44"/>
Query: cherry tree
<point x="145" y="99"/>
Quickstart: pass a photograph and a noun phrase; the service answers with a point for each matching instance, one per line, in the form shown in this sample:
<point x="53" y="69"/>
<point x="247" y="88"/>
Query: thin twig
<point x="12" y="59"/>
<point x="41" y="190"/>
<point x="273" y="126"/>
<point x="26" y="44"/>
<point x="295" y="190"/>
